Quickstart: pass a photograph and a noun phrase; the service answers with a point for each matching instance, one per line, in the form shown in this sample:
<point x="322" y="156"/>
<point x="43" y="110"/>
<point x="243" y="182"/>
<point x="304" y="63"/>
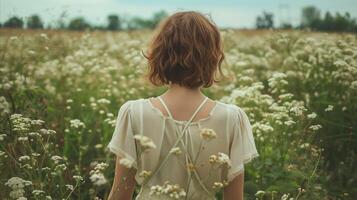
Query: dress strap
<point x="181" y="134"/>
<point x="198" y="109"/>
<point x="164" y="104"/>
<point x="194" y="114"/>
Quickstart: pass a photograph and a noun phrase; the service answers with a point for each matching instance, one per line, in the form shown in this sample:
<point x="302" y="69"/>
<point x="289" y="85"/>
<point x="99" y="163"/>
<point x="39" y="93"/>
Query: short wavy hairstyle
<point x="186" y="49"/>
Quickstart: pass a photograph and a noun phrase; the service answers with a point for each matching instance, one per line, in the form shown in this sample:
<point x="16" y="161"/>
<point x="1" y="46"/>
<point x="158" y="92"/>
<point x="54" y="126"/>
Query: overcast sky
<point x="226" y="13"/>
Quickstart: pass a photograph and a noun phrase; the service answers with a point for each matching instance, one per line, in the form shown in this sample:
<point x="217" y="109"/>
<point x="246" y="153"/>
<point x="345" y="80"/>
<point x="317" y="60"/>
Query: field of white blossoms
<point x="60" y="93"/>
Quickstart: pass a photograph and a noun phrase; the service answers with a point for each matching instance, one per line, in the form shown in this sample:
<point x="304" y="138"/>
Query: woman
<point x="181" y="144"/>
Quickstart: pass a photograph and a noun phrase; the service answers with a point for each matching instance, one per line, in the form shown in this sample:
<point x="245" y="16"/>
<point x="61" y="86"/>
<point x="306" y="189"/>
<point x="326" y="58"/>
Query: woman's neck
<point x="175" y="90"/>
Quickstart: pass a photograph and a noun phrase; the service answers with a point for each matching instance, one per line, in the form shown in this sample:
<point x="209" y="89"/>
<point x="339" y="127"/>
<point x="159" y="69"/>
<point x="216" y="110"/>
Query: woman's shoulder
<point x="130" y="102"/>
<point x="234" y="111"/>
<point x="233" y="108"/>
<point x="129" y="105"/>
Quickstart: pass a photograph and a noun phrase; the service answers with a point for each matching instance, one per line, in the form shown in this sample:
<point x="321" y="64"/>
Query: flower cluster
<point x="170" y="190"/>
<point x="208" y="134"/>
<point x="96" y="175"/>
<point x="17" y="186"/>
<point x="145" y="142"/>
<point x="221" y="159"/>
<point x="128" y="163"/>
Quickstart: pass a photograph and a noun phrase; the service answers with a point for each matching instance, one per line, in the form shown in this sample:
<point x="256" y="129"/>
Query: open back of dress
<point x="191" y="160"/>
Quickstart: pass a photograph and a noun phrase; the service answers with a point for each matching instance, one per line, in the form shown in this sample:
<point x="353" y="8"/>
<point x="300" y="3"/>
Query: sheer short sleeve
<point x="122" y="142"/>
<point x="242" y="148"/>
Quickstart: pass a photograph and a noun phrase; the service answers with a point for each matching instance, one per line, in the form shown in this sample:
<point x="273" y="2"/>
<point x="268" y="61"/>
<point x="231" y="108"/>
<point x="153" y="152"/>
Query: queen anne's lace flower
<point x="312" y="116"/>
<point x="315" y="127"/>
<point x="76" y="123"/>
<point x="208" y="134"/>
<point x="77" y="178"/>
<point x="176" y="150"/>
<point x="38" y="192"/>
<point x="2" y="137"/>
<point x="145" y="142"/>
<point x="17" y="186"/>
<point x="96" y="175"/>
<point x="56" y="159"/>
<point x="128" y="163"/>
<point x="174" y="191"/>
<point x="221" y="159"/>
<point x="20" y="123"/>
<point x="98" y="179"/>
<point x="329" y="108"/>
<point x="145" y="173"/>
<point x="217" y="185"/>
<point x="24" y="158"/>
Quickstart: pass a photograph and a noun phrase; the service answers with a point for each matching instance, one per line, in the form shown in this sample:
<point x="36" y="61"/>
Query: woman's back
<point x="208" y="154"/>
<point x="188" y="153"/>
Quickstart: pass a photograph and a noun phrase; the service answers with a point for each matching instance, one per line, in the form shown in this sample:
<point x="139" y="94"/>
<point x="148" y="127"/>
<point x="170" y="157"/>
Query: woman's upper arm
<point x="122" y="144"/>
<point x="242" y="146"/>
<point x="124" y="181"/>
<point x="241" y="151"/>
<point x="234" y="190"/>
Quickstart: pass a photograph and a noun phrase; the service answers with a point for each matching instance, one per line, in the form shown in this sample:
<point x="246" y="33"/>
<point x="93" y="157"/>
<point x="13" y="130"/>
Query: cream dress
<point x="233" y="137"/>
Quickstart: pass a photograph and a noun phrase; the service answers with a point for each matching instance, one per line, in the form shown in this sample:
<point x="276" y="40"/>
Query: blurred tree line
<point x="311" y="18"/>
<point x="114" y="23"/>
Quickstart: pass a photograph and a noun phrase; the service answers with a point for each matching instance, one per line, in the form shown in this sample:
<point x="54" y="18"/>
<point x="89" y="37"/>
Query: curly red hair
<point x="187" y="50"/>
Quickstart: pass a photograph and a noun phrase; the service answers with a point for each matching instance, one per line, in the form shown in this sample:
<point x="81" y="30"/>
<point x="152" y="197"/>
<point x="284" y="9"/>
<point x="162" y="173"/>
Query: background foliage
<point x="60" y="93"/>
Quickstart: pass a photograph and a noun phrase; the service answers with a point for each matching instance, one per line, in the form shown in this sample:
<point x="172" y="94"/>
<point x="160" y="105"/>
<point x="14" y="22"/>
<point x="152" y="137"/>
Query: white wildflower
<point x="145" y="142"/>
<point x="173" y="191"/>
<point x="37" y="122"/>
<point x="221" y="159"/>
<point x="175" y="150"/>
<point x="17" y="186"/>
<point x="329" y="108"/>
<point x="128" y="163"/>
<point x="260" y="193"/>
<point x="56" y="159"/>
<point x="47" y="131"/>
<point x="24" y="158"/>
<point x="38" y="192"/>
<point x="298" y="110"/>
<point x="217" y="185"/>
<point x="35" y="134"/>
<point x="70" y="187"/>
<point x="60" y="167"/>
<point x="44" y="36"/>
<point x="145" y="173"/>
<point x="2" y="136"/>
<point x="23" y="139"/>
<point x="340" y="63"/>
<point x="315" y="127"/>
<point x="289" y="122"/>
<point x="78" y="178"/>
<point x="103" y="101"/>
<point x="208" y="134"/>
<point x="35" y="154"/>
<point x="98" y="179"/>
<point x="285" y="197"/>
<point x="76" y="123"/>
<point x="20" y="123"/>
<point x="312" y="116"/>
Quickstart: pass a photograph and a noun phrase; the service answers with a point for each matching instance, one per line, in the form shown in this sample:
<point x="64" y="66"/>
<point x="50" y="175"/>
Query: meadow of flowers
<point x="60" y="93"/>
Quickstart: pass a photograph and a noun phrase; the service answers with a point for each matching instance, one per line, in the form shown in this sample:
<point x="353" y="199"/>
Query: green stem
<point x="72" y="190"/>
<point x="308" y="180"/>
<point x="194" y="165"/>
